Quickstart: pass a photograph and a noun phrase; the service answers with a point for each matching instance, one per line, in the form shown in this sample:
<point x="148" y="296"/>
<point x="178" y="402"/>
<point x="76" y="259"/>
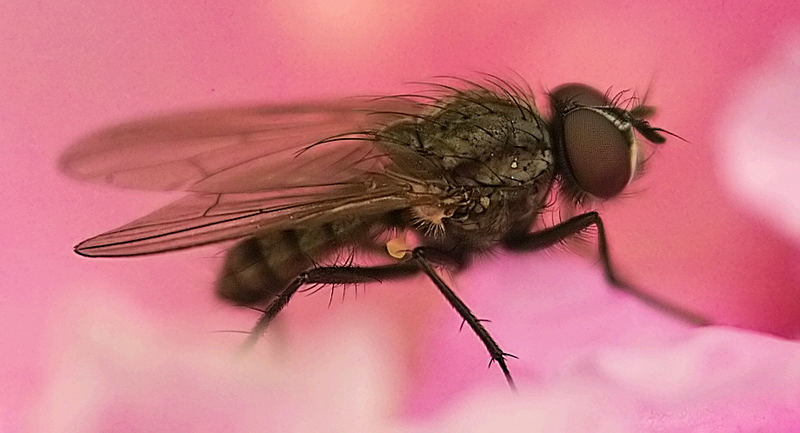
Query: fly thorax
<point x="485" y="214"/>
<point x="515" y="167"/>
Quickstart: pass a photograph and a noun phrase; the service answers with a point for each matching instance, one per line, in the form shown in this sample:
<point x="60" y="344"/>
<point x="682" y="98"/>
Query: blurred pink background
<point x="127" y="345"/>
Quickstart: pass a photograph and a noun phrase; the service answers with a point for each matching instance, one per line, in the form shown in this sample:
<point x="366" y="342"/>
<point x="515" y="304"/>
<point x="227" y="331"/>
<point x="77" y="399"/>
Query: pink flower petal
<point x="761" y="159"/>
<point x="118" y="373"/>
<point x="711" y="380"/>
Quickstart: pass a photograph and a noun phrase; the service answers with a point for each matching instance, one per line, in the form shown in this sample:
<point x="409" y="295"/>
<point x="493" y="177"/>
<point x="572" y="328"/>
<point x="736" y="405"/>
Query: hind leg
<point x="329" y="275"/>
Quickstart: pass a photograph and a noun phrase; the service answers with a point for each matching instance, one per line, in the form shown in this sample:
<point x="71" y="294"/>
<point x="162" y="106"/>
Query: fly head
<point x="594" y="138"/>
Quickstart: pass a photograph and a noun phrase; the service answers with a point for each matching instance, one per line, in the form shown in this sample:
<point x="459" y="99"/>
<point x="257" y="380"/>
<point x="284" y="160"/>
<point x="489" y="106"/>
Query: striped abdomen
<point x="260" y="267"/>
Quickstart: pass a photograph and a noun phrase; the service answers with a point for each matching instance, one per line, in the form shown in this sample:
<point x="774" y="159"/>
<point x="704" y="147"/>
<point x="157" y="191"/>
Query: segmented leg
<point x="495" y="352"/>
<point x="574" y="225"/>
<point x="355" y="274"/>
<point x="328" y="275"/>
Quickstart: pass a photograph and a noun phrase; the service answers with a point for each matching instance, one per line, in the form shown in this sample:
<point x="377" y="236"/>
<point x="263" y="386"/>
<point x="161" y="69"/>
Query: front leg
<point x="559" y="232"/>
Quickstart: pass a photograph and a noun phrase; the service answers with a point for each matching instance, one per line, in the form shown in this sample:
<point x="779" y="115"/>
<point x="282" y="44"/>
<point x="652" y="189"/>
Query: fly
<point x="465" y="166"/>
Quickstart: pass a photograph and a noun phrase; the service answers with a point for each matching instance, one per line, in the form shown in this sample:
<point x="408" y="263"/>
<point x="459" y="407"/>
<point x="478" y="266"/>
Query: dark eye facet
<point x="597" y="145"/>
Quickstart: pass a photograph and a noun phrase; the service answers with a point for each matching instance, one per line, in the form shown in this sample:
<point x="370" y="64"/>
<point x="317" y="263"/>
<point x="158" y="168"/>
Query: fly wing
<point x="203" y="218"/>
<point x="248" y="170"/>
<point x="239" y="150"/>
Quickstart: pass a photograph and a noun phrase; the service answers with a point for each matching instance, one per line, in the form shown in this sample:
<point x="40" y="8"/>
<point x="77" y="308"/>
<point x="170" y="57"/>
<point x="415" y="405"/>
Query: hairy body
<point x="486" y="159"/>
<point x="468" y="169"/>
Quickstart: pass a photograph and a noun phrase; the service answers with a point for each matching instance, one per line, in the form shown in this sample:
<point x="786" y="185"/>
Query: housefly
<point x="466" y="166"/>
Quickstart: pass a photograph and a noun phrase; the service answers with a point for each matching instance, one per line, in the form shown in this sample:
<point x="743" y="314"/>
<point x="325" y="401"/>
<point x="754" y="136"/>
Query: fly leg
<point x="576" y="224"/>
<point x="328" y="275"/>
<point x="355" y="274"/>
<point x="497" y="354"/>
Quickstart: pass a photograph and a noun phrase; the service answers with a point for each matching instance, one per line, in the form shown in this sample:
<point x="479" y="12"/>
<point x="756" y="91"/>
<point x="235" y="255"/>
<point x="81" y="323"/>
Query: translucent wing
<point x="235" y="150"/>
<point x="200" y="219"/>
<point x="248" y="169"/>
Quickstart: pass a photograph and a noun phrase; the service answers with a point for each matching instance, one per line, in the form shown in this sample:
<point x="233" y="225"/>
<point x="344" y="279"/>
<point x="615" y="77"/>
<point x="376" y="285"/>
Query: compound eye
<point x="600" y="156"/>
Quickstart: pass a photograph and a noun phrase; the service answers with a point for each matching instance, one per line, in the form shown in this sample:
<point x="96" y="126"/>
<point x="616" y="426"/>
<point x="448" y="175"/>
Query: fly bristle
<point x="430" y="229"/>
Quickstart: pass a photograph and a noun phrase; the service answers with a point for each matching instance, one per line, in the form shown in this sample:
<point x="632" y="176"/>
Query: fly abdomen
<point x="261" y="266"/>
